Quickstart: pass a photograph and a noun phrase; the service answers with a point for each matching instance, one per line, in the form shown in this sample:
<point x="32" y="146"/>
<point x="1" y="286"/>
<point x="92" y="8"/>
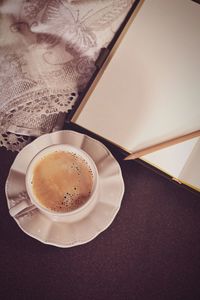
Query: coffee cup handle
<point x="18" y="208"/>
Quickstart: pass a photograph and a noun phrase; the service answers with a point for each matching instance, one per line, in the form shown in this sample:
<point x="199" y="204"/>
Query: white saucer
<point x="64" y="234"/>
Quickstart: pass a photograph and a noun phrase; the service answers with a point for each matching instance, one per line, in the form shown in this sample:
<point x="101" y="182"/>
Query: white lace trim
<point x="47" y="55"/>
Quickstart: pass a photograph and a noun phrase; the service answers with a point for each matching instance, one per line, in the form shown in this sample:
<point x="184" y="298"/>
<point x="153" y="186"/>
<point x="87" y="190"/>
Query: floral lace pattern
<point x="48" y="50"/>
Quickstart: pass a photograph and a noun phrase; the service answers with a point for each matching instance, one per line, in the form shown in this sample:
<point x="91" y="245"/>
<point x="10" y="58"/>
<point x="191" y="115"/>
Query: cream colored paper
<point x="191" y="171"/>
<point x="150" y="90"/>
<point x="181" y="161"/>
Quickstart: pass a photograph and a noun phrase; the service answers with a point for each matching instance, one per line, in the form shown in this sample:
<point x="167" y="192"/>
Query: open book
<point x="150" y="90"/>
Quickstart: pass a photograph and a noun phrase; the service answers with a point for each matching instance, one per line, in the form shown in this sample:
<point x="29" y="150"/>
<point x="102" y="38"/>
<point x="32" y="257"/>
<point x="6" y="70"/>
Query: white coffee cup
<point x="70" y="216"/>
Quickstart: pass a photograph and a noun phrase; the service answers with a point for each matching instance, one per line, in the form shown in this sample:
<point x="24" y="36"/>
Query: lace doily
<point x="48" y="50"/>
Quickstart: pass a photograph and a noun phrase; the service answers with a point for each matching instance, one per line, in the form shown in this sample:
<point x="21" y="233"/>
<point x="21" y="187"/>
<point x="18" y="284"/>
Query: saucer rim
<point x="97" y="231"/>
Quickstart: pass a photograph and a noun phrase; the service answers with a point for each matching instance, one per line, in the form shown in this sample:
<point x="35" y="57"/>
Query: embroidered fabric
<point x="48" y="50"/>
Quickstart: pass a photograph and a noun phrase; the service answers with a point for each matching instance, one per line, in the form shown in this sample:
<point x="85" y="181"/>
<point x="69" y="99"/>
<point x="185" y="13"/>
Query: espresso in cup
<point x="60" y="179"/>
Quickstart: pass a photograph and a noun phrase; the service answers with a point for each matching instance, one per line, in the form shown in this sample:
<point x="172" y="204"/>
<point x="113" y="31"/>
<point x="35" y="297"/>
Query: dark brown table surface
<point x="150" y="251"/>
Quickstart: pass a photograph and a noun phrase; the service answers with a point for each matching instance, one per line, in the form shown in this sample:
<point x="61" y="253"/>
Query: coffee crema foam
<point x="62" y="181"/>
